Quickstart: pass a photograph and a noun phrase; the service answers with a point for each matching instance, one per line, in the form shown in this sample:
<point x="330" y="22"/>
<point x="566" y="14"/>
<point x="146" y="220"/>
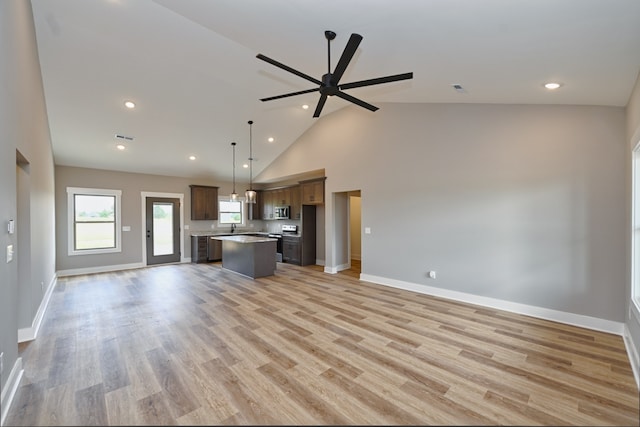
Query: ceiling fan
<point x="330" y="84"/>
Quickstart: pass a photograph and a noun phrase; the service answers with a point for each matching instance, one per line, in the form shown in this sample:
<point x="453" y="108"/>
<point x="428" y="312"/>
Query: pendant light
<point x="250" y="194"/>
<point x="234" y="195"/>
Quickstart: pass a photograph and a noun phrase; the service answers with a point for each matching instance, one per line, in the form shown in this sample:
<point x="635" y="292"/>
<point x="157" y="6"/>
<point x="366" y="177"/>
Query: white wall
<point x="520" y="203"/>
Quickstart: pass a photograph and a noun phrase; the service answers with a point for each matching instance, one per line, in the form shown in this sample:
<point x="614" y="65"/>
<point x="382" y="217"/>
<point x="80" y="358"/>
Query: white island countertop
<point x="240" y="238"/>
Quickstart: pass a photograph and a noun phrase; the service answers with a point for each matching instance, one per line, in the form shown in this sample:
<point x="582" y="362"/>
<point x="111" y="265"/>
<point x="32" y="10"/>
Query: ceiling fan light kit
<point x="330" y="83"/>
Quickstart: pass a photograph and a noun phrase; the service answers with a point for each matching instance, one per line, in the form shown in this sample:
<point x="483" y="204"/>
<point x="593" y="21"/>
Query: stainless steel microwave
<point x="281" y="212"/>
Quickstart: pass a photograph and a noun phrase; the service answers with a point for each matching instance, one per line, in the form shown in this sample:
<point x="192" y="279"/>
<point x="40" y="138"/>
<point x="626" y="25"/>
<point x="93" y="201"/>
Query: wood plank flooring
<point x="193" y="344"/>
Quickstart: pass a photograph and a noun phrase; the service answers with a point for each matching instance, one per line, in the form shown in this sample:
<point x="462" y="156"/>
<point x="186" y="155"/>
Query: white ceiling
<point x="191" y="68"/>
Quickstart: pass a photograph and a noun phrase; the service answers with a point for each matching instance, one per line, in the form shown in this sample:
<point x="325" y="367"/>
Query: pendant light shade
<point x="234" y="195"/>
<point x="250" y="194"/>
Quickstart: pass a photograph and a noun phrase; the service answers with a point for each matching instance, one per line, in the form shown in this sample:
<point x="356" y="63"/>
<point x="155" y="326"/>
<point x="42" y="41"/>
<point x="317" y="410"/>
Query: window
<point x="230" y="212"/>
<point x="93" y="220"/>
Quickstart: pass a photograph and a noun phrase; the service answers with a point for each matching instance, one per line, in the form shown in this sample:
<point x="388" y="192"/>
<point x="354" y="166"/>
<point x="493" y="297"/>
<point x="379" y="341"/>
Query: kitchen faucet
<point x="233" y="227"/>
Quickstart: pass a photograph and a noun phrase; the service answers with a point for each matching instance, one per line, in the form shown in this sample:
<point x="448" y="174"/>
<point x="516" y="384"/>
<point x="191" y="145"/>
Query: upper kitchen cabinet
<point x="204" y="202"/>
<point x="296" y="202"/>
<point x="256" y="209"/>
<point x="312" y="191"/>
<point x="282" y="197"/>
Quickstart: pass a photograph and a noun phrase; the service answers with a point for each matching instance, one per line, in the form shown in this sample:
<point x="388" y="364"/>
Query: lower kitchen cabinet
<point x="291" y="250"/>
<point x="199" y="248"/>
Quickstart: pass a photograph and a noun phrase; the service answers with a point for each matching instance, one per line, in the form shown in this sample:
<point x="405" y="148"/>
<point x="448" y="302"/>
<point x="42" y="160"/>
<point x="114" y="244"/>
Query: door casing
<point x="143" y="196"/>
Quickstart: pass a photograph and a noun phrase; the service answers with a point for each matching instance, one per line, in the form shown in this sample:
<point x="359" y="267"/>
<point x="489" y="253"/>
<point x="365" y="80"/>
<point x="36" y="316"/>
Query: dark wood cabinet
<point x="296" y="202"/>
<point x="267" y="205"/>
<point x="204" y="202"/>
<point x="292" y="249"/>
<point x="282" y="197"/>
<point x="255" y="210"/>
<point x="312" y="191"/>
<point x="308" y="232"/>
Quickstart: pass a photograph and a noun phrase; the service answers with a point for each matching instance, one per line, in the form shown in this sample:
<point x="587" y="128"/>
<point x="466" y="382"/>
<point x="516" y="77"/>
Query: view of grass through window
<point x="162" y="229"/>
<point x="94" y="222"/>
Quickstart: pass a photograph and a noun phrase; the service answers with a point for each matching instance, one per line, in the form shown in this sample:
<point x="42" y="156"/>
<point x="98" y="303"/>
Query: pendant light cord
<point x="250" y="156"/>
<point x="233" y="144"/>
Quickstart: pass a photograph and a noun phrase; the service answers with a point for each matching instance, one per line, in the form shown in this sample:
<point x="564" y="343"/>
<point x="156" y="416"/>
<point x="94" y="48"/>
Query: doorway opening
<point x="347" y="233"/>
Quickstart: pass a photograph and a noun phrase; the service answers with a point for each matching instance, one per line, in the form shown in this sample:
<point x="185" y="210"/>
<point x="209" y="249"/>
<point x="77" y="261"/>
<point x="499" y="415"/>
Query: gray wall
<point x="24" y="125"/>
<point x="132" y="185"/>
<point x="519" y="203"/>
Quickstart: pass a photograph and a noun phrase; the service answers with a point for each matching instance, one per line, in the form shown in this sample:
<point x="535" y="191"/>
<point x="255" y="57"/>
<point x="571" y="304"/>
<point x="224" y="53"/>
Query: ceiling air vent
<point x="126" y="138"/>
<point x="458" y="88"/>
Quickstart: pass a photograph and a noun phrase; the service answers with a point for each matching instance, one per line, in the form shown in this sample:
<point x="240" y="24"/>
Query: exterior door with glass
<point x="163" y="230"/>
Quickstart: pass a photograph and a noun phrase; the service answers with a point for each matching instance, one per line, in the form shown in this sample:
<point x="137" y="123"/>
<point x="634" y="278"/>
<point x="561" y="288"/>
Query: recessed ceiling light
<point x="270" y="139"/>
<point x="120" y="147"/>
<point x="552" y="85"/>
<point x="305" y="107"/>
<point x="192" y="157"/>
<point x="130" y="104"/>
<point x="246" y="165"/>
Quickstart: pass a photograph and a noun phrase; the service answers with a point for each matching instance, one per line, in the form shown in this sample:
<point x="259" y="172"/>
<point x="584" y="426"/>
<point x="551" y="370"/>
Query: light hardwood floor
<point x="195" y="344"/>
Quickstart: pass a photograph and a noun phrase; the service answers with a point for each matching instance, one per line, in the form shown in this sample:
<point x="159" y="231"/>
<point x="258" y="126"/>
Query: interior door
<point x="163" y="230"/>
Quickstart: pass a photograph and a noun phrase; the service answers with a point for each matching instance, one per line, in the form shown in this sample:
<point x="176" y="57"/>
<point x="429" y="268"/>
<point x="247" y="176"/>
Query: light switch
<point x="367" y="230"/>
<point x="9" y="253"/>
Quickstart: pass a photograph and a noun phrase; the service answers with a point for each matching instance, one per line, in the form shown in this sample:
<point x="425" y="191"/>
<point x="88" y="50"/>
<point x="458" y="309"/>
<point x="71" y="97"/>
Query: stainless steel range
<point x="287" y="229"/>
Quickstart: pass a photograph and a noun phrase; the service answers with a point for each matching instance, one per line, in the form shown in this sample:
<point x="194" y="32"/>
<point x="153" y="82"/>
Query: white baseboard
<point x="29" y="334"/>
<point x="9" y="391"/>
<point x="101" y="269"/>
<point x="336" y="269"/>
<point x="634" y="358"/>
<point x="633" y="348"/>
<point x="580" y="320"/>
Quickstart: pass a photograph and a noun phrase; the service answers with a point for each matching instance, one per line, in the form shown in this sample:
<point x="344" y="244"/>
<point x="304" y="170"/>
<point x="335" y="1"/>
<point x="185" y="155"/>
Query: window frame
<point x="243" y="210"/>
<point x="79" y="191"/>
<point x="635" y="226"/>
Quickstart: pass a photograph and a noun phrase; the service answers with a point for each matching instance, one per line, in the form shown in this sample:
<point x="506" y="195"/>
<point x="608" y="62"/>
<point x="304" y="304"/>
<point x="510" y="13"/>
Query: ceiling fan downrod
<point x="330" y="35"/>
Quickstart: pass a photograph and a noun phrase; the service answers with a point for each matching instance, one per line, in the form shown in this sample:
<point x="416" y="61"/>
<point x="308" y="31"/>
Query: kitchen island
<point x="251" y="256"/>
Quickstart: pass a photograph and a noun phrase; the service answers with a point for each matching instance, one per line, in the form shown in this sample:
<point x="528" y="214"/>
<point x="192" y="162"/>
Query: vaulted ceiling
<point x="190" y="66"/>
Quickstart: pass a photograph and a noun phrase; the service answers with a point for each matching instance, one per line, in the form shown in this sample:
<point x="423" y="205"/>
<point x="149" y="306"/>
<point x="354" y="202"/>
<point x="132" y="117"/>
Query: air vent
<point x="126" y="138"/>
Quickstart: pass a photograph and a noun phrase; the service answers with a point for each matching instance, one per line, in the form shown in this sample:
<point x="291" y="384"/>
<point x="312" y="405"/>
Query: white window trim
<point x="71" y="192"/>
<point x="635" y="225"/>
<point x="243" y="207"/>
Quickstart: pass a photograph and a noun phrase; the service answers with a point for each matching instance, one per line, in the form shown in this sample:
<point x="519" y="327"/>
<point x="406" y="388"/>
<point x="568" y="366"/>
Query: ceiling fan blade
<point x="377" y="81"/>
<point x="356" y="101"/>
<point x="321" y="101"/>
<point x="290" y="94"/>
<point x="289" y="69"/>
<point x="347" y="54"/>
